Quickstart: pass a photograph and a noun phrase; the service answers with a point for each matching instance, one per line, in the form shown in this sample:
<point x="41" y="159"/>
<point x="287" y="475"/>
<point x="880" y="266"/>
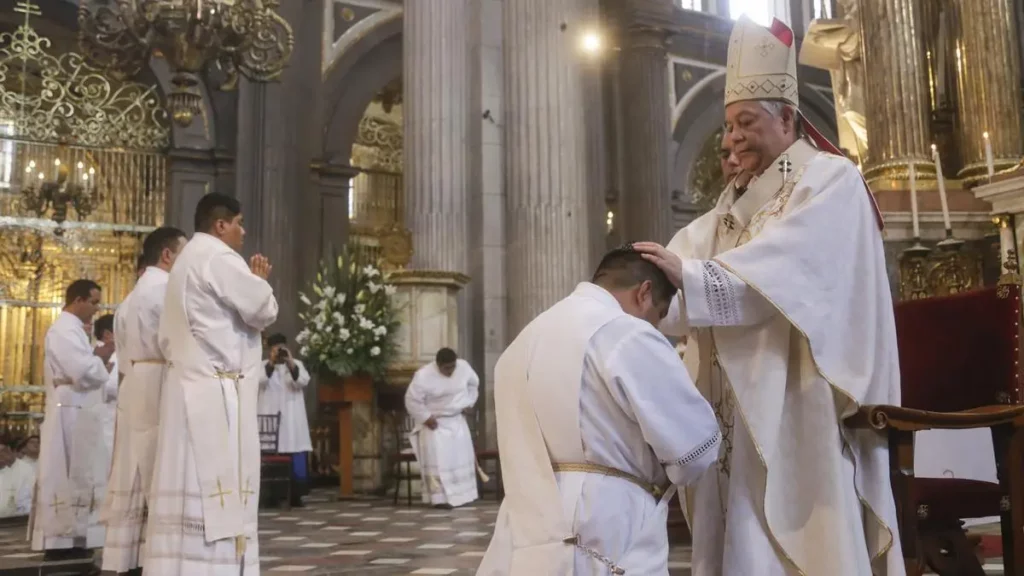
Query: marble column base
<point x="429" y="314"/>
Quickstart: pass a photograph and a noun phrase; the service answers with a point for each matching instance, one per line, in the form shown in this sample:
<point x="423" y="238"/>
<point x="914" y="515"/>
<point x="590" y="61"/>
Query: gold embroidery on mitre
<point x="760" y="66"/>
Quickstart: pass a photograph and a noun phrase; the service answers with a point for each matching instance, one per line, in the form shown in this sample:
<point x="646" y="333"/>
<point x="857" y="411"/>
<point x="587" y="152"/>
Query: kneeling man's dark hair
<point x="446" y="356"/>
<point x="624" y="268"/>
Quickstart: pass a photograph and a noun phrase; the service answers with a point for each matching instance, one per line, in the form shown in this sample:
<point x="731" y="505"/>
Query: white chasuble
<point x="205" y="488"/>
<point x="142" y="366"/>
<point x="786" y="292"/>
<point x="586" y="387"/>
<point x="72" y="475"/>
<point x="282" y="393"/>
<point x="446" y="455"/>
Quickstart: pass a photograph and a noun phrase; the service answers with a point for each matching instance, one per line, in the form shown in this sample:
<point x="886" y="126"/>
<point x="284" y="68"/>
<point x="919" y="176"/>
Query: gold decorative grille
<point x="57" y="107"/>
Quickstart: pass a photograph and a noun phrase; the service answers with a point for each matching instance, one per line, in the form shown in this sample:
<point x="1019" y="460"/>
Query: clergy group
<point x="778" y="297"/>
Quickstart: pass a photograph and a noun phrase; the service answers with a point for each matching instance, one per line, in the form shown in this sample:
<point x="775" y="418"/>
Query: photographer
<point x="281" y="392"/>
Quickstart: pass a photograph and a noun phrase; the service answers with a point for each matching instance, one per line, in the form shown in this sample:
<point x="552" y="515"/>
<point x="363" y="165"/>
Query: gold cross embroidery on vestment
<point x="221" y="493"/>
<point x="246" y="492"/>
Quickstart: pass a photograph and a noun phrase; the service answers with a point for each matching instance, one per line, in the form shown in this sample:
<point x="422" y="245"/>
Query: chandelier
<point x="235" y="36"/>
<point x="58" y="188"/>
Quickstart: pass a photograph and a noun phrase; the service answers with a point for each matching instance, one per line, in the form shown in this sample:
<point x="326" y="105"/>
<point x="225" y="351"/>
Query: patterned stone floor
<point x="371" y="537"/>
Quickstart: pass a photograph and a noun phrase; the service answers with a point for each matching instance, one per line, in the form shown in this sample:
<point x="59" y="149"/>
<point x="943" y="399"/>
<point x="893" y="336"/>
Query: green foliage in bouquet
<point x="349" y="320"/>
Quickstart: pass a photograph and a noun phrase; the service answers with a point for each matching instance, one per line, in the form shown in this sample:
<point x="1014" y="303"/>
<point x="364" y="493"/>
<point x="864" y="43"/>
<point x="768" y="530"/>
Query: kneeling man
<point x="598" y="421"/>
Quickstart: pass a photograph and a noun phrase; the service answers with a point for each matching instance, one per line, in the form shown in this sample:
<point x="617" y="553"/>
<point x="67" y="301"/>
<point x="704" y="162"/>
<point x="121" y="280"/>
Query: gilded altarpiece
<point x="83" y="178"/>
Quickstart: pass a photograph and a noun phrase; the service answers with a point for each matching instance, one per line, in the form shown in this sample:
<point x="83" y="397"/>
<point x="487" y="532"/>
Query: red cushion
<point x="948" y="498"/>
<point x="276" y="459"/>
<point x="959" y="352"/>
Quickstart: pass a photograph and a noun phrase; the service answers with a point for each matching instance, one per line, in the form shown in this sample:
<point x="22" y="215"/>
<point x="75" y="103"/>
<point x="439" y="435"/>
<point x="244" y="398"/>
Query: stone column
<point x="276" y="124"/>
<point x="896" y="89"/>
<point x="549" y="181"/>
<point x="435" y="76"/>
<point x="989" y="80"/>
<point x="192" y="176"/>
<point x="646" y="203"/>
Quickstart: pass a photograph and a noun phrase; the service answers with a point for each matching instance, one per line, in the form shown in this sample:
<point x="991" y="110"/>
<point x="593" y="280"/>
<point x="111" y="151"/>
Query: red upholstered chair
<point x="959" y="369"/>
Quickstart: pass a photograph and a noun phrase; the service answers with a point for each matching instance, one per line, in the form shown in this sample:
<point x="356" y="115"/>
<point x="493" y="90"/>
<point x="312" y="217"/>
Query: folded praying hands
<point x="260" y="266"/>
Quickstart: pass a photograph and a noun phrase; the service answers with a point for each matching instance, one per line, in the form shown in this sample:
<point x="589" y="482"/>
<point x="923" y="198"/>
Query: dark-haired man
<point x="282" y="386"/>
<point x="597" y="423"/>
<point x="72" y="478"/>
<point x="436" y="399"/>
<point x="205" y="490"/>
<point x="142" y="366"/>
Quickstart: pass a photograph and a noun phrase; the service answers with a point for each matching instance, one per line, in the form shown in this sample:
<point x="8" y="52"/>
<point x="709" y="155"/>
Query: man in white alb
<point x="137" y="321"/>
<point x="72" y="478"/>
<point x="282" y="383"/>
<point x="597" y="423"/>
<point x="206" y="480"/>
<point x="436" y="399"/>
<point x="17" y="479"/>
<point x="783" y="289"/>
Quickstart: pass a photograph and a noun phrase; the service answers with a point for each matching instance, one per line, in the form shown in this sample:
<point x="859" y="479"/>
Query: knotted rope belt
<point x="148" y="361"/>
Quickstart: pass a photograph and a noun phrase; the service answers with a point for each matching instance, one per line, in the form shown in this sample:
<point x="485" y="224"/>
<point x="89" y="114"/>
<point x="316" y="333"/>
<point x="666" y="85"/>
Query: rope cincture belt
<point x="223" y="375"/>
<point x="653" y="490"/>
<point x="148" y="361"/>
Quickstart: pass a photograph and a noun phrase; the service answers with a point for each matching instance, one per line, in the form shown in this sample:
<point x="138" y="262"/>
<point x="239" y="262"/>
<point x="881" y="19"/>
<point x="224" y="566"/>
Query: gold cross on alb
<point x="246" y="492"/>
<point x="221" y="493"/>
<point x="56" y="503"/>
<point x="785" y="166"/>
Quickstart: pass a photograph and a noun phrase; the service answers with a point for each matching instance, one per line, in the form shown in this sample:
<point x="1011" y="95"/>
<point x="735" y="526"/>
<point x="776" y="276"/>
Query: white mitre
<point x="762" y="63"/>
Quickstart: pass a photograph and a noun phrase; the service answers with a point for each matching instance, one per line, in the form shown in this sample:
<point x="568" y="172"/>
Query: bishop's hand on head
<point x="260" y="266"/>
<point x="660" y="256"/>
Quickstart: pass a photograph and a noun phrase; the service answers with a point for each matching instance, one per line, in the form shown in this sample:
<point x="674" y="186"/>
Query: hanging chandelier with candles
<point x="58" y="188"/>
<point x="245" y="37"/>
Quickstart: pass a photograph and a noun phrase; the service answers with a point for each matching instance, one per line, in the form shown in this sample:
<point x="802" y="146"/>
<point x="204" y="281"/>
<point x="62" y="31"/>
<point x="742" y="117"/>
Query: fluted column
<point x="989" y="79"/>
<point x="436" y="78"/>
<point x="896" y="89"/>
<point x="646" y="203"/>
<point x="549" y="163"/>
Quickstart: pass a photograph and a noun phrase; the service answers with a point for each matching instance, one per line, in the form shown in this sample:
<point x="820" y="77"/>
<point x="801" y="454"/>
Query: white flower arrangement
<point x="350" y="323"/>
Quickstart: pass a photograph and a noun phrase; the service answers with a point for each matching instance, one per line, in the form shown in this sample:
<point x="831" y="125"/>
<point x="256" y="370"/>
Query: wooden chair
<point x="959" y="369"/>
<point x="403" y="424"/>
<point x="275" y="468"/>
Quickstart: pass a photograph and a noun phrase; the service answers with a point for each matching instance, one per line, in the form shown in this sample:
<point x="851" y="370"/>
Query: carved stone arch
<point x="354" y="79"/>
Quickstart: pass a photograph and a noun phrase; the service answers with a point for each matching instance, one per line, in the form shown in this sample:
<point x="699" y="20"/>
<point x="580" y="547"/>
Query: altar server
<point x="142" y="369"/>
<point x="597" y="424"/>
<point x="17" y="479"/>
<point x="436" y="399"/>
<point x="103" y="330"/>
<point x="785" y="291"/>
<point x="205" y="490"/>
<point x="282" y="384"/>
<point x="72" y="476"/>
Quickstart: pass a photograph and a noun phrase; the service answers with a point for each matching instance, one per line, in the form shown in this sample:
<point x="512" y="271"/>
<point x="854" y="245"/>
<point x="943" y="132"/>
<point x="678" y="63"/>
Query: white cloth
<point x="205" y="491"/>
<point x="16" y="484"/>
<point x="72" y="476"/>
<point x="446" y="455"/>
<point x="108" y="410"/>
<point x="136" y="324"/>
<point x="786" y="292"/>
<point x="587" y="383"/>
<point x="280" y="393"/>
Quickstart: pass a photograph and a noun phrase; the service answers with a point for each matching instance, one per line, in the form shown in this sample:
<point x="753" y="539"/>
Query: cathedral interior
<point x="485" y="152"/>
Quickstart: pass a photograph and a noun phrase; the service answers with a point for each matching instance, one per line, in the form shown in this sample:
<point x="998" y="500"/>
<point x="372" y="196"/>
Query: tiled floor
<point x="370" y="537"/>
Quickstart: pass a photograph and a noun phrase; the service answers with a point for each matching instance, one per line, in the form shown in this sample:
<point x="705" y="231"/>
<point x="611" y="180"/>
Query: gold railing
<point x="378" y="216"/>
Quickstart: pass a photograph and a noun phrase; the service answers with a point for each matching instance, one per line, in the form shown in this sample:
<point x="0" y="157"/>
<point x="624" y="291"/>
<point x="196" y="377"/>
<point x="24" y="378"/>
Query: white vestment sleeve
<point x="248" y="294"/>
<point x="472" y="389"/>
<point x="716" y="297"/>
<point x="676" y="421"/>
<point x="264" y="379"/>
<point x="85" y="369"/>
<point x="415" y="399"/>
<point x="303" y="380"/>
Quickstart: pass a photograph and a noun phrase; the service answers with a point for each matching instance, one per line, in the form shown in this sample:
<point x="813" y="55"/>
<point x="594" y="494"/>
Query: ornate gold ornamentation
<point x="437" y="277"/>
<point x="378" y="145"/>
<point x="951" y="269"/>
<point x="63" y="99"/>
<point x="707" y="181"/>
<point x="238" y="36"/>
<point x="395" y="246"/>
<point x="39" y="195"/>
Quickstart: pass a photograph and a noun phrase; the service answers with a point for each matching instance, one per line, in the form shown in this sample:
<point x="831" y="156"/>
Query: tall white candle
<point x="942" y="187"/>
<point x="988" y="155"/>
<point x="913" y="201"/>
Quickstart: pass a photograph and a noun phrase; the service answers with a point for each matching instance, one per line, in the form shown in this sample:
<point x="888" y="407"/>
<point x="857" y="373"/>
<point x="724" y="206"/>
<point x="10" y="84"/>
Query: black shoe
<point x="67" y="554"/>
